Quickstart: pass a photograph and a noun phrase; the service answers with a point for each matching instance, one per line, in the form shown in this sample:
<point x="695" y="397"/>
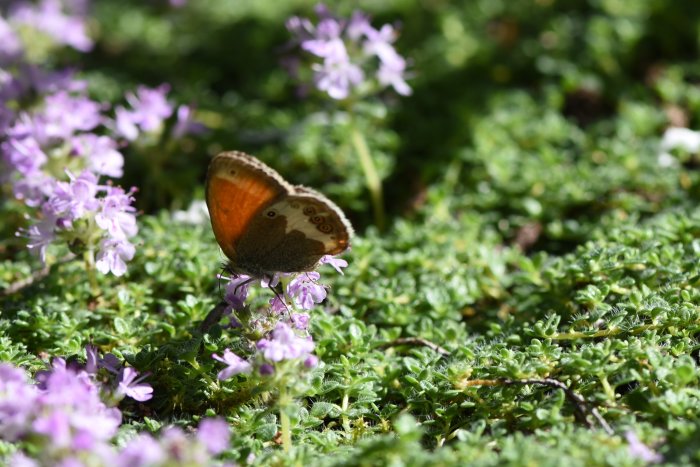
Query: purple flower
<point x="150" y="107"/>
<point x="110" y="362"/>
<point x="10" y="44"/>
<point x="358" y="26"/>
<point x="327" y="43"/>
<point x="344" y="47"/>
<point x="392" y="74"/>
<point x="236" y="292"/>
<point x="234" y="365"/>
<point x="101" y="154"/>
<point x="67" y="202"/>
<point x="70" y="411"/>
<point x="113" y="256"/>
<point x="91" y="359"/>
<point x="214" y="434"/>
<point x="335" y="262"/>
<point x="45" y="81"/>
<point x="266" y="369"/>
<point x="337" y="77"/>
<point x="285" y="344"/>
<point x="116" y="216"/>
<point x="271" y="282"/>
<point x="641" y="451"/>
<point x="64" y="114"/>
<point x="48" y="17"/>
<point x="73" y="200"/>
<point x="125" y="124"/>
<point x="277" y="305"/>
<point x="41" y="234"/>
<point x="392" y="66"/>
<point x="33" y="188"/>
<point x="301" y="27"/>
<point x="19" y="459"/>
<point x="17" y="402"/>
<point x="306" y="291"/>
<point x="185" y="123"/>
<point x="23" y="155"/>
<point x="131" y="386"/>
<point x="378" y="42"/>
<point x="311" y="361"/>
<point x="300" y="320"/>
<point x="179" y="447"/>
<point x="142" y="450"/>
<point x="55" y="426"/>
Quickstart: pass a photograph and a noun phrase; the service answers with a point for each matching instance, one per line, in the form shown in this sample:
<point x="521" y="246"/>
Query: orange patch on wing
<point x="233" y="201"/>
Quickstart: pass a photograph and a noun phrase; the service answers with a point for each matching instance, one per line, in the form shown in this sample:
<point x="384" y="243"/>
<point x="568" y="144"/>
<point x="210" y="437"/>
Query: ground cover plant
<point x="522" y="287"/>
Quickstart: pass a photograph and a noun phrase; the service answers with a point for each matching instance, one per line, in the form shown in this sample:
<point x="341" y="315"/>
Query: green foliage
<point x="534" y="235"/>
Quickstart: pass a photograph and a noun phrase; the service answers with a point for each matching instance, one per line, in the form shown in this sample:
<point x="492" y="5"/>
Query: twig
<point x="34" y="277"/>
<point x="582" y="407"/>
<point x="419" y="341"/>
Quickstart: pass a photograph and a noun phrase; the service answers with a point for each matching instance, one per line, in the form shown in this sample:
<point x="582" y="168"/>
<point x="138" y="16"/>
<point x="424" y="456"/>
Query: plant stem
<point x="285" y="426"/>
<point x="372" y="180"/>
<point x="344" y="408"/>
<point x="89" y="257"/>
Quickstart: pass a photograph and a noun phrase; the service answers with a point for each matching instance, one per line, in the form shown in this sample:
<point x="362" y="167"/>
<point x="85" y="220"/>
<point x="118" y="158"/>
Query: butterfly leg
<point x="278" y="290"/>
<point x="243" y="284"/>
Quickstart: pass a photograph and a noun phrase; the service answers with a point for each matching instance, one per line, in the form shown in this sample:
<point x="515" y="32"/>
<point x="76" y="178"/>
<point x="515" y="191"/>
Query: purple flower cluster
<point x="234" y="364"/>
<point x="64" y="410"/>
<point x="65" y="132"/>
<point x="62" y="419"/>
<point x="174" y="447"/>
<point x="50" y="142"/>
<point x="68" y="133"/>
<point x="289" y="339"/>
<point x="81" y="209"/>
<point x="62" y="21"/>
<point x="57" y="133"/>
<point x="348" y="53"/>
<point x="285" y="344"/>
<point x="148" y="109"/>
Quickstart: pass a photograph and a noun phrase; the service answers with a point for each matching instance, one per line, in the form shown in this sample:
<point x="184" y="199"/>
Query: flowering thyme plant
<point x="59" y="146"/>
<point x="351" y="62"/>
<point x="68" y="416"/>
<point x="277" y="337"/>
<point x="349" y="57"/>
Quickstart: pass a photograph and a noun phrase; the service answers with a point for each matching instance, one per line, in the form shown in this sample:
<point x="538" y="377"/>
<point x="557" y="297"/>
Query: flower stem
<point x="372" y="180"/>
<point x="344" y="410"/>
<point x="285" y="426"/>
<point x="89" y="257"/>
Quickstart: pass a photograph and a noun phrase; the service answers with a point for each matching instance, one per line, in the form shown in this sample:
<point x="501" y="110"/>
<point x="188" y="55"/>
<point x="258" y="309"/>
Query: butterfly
<point x="264" y="224"/>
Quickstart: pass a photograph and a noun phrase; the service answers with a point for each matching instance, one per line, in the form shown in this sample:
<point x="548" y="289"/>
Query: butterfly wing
<point x="293" y="232"/>
<point x="238" y="187"/>
<point x="321" y="219"/>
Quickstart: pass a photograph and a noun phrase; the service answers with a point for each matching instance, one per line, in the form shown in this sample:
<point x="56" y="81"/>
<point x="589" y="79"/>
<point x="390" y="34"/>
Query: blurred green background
<point x="503" y="87"/>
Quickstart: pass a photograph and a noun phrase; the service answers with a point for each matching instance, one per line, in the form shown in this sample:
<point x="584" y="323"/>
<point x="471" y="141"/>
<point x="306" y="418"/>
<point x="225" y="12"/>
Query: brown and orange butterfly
<point x="265" y="225"/>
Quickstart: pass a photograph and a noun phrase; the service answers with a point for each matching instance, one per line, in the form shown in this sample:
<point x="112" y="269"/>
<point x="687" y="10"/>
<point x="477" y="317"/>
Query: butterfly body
<point x="264" y="224"/>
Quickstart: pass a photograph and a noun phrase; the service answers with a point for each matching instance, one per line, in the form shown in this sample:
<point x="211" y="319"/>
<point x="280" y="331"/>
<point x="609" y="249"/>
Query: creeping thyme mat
<point x="522" y="288"/>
